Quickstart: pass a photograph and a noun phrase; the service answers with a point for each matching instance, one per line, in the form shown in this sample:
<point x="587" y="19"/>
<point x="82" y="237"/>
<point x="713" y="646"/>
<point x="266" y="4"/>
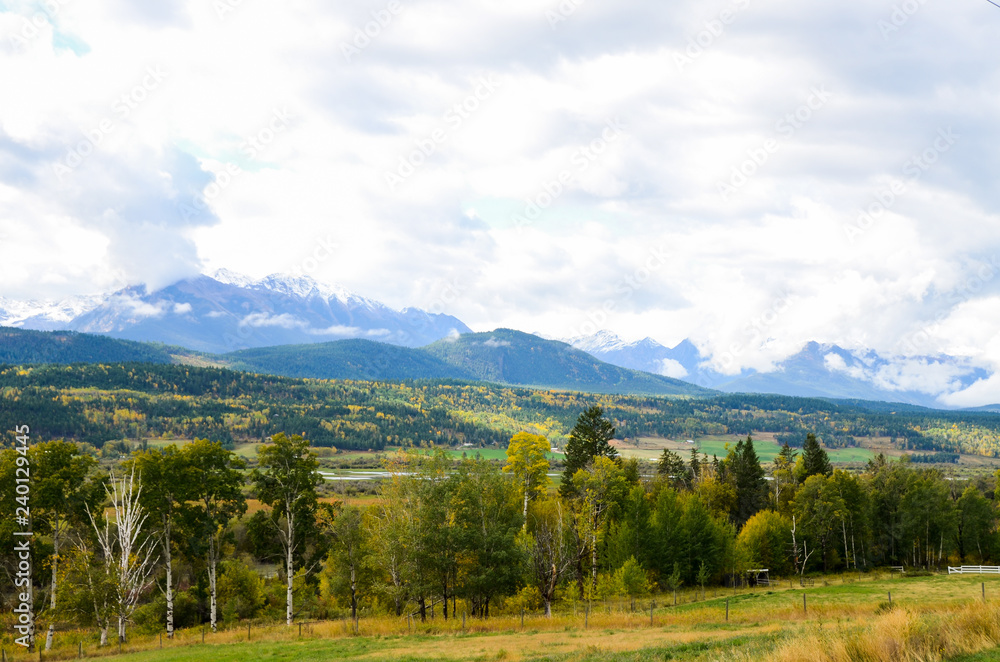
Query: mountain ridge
<point x="817" y="370"/>
<point x="233" y="312"/>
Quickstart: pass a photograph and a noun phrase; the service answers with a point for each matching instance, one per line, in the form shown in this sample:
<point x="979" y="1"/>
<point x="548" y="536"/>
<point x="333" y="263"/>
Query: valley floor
<point x="839" y="618"/>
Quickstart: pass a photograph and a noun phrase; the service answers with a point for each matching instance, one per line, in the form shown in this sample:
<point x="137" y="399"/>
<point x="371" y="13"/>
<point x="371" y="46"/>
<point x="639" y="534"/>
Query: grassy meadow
<point x="650" y="448"/>
<point x="844" y="618"/>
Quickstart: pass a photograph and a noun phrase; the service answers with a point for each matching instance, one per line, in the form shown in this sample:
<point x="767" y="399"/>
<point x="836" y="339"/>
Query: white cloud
<point x="283" y="321"/>
<point x="749" y="279"/>
<point x="672" y="368"/>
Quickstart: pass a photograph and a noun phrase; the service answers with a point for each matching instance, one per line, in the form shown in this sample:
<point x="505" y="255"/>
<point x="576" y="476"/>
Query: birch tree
<point x="346" y="570"/>
<point x="551" y="553"/>
<point x="216" y="487"/>
<point x="527" y="462"/>
<point x="600" y="487"/>
<point x="392" y="529"/>
<point x="59" y="497"/>
<point x="166" y="488"/>
<point x="286" y="479"/>
<point x="128" y="551"/>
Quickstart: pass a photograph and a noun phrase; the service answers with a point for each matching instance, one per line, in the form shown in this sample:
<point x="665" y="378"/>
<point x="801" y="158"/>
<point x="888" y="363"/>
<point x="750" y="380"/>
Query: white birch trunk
<point x="289" y="564"/>
<point x="170" y="579"/>
<point x="55" y="581"/>
<point x="212" y="562"/>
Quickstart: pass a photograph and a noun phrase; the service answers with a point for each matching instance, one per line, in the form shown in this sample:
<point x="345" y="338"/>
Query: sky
<point x="749" y="174"/>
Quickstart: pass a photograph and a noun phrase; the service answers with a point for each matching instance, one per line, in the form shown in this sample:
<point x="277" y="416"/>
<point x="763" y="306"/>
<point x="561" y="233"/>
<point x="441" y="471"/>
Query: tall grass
<point x="929" y="619"/>
<point x="899" y="635"/>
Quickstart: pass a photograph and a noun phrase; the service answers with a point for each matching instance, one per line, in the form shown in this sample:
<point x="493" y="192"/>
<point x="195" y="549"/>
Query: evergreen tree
<point x="671" y="466"/>
<point x="814" y="459"/>
<point x="588" y="439"/>
<point x="748" y="477"/>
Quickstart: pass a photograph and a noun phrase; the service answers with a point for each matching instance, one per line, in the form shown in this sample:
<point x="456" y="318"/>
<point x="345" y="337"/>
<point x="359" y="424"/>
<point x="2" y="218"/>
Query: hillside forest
<point x="181" y="535"/>
<point x="99" y="404"/>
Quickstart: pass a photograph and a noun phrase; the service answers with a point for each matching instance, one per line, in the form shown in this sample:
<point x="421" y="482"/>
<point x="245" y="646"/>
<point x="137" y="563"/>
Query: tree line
<point x="180" y="535"/>
<point x="101" y="403"/>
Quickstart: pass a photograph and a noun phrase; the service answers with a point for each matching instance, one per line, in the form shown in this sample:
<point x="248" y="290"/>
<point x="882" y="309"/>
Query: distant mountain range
<point x="817" y="370"/>
<point x="228" y="312"/>
<point x="295" y="326"/>
<point x="502" y="356"/>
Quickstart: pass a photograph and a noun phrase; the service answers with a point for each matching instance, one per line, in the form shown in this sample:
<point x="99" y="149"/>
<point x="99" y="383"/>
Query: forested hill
<point x="104" y="402"/>
<point x="345" y="359"/>
<point x="19" y="346"/>
<point x="502" y="356"/>
<point x="514" y="357"/>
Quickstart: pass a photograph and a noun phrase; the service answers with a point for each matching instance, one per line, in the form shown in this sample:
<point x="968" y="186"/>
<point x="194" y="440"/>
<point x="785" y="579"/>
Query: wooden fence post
<point x="890" y="599"/>
<point x="727" y="610"/>
<point x="805" y="609"/>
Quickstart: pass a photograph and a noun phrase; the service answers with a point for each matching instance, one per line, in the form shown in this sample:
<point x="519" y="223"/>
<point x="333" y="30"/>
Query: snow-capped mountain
<point x="228" y="311"/>
<point x="681" y="362"/>
<point x="45" y="315"/>
<point x="817" y="370"/>
<point x="302" y="287"/>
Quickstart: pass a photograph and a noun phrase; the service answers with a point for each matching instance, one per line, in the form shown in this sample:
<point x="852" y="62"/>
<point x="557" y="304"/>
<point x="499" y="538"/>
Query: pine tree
<point x="695" y="465"/>
<point x="751" y="486"/>
<point x="814" y="459"/>
<point x="672" y="467"/>
<point x="588" y="439"/>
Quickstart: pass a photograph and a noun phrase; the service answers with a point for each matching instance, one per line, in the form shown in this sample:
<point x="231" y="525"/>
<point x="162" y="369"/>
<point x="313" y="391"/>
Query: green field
<point x="786" y="622"/>
<point x="650" y="448"/>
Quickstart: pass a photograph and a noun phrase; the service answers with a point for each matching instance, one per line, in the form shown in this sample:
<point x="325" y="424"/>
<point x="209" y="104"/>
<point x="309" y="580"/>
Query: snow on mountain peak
<point x="602" y="341"/>
<point x="607" y="341"/>
<point x="13" y="312"/>
<point x="302" y="287"/>
<point x="232" y="278"/>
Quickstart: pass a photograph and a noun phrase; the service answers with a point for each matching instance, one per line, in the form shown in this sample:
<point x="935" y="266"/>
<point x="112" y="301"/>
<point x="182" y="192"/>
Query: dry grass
<point x="899" y="635"/>
<point x="933" y="618"/>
